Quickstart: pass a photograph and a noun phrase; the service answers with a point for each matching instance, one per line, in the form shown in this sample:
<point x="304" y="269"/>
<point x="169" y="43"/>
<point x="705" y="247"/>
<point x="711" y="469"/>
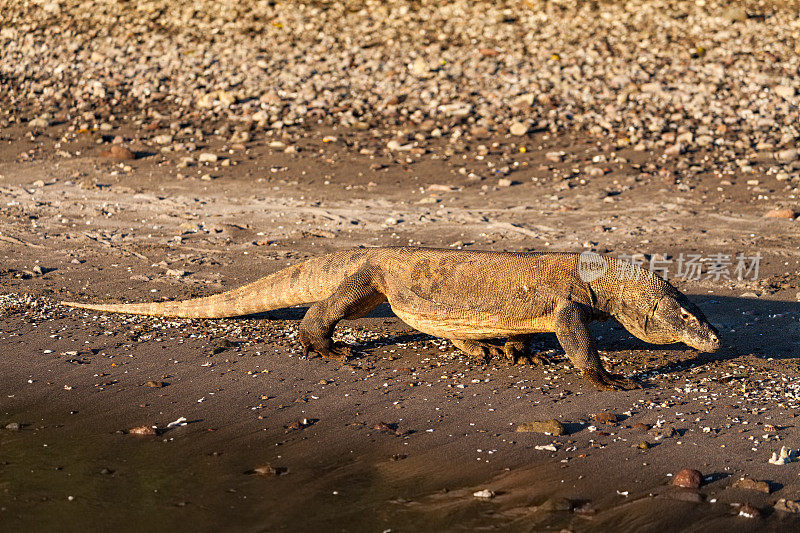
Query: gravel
<point x="718" y="79"/>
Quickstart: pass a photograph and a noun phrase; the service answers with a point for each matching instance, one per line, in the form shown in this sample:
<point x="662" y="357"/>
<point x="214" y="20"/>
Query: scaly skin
<point x="469" y="297"/>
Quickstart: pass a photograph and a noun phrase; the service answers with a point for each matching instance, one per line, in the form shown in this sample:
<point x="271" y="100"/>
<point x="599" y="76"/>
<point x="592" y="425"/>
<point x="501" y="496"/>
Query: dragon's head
<point x="666" y="316"/>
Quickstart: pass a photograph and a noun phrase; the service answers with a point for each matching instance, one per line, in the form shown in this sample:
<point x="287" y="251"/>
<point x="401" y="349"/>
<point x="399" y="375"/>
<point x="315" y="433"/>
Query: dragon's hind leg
<point x="355" y="297"/>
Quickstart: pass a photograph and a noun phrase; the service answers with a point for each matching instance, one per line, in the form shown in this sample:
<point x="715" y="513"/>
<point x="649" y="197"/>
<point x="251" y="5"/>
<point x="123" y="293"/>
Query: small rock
<point x="13" y="426"/>
<point x="386" y="428"/>
<point x="207" y="157"/>
<point x="155" y="384"/>
<point x="39" y="123"/>
<point x="751" y="484"/>
<point x="735" y="14"/>
<point x="644" y="445"/>
<point x="641" y="427"/>
<point x="484" y="494"/>
<point x="781" y="213"/>
<point x="504" y="182"/>
<point x="550" y="427"/>
<point x="674" y="150"/>
<point x="222" y="345"/>
<point x="748" y="511"/>
<point x="556" y="504"/>
<point x="784" y="91"/>
<point x="142" y="430"/>
<point x="436" y="187"/>
<point x="269" y="471"/>
<point x="787" y="506"/>
<point x="163" y="139"/>
<point x="555" y="157"/>
<point x="606" y="418"/>
<point x="518" y="129"/>
<point x="175" y="273"/>
<point x="395" y="146"/>
<point x="419" y="67"/>
<point x="587" y="509"/>
<point x="705" y="140"/>
<point x="663" y="432"/>
<point x="688" y="479"/>
<point x="118" y="152"/>
<point x="786" y="456"/>
<point x="479" y="132"/>
<point x="211" y="99"/>
<point x="239" y="137"/>
<point x="787" y="156"/>
<point x="456" y="109"/>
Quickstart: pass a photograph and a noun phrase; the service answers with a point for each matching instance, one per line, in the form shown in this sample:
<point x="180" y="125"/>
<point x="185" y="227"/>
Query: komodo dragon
<point x="469" y="297"/>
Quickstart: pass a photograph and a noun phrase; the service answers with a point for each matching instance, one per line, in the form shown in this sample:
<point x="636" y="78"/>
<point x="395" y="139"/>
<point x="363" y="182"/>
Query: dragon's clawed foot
<point x="338" y="351"/>
<point x="605" y="381"/>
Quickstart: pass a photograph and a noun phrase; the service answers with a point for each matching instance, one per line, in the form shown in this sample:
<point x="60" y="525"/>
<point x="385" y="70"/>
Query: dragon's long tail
<point x="307" y="282"/>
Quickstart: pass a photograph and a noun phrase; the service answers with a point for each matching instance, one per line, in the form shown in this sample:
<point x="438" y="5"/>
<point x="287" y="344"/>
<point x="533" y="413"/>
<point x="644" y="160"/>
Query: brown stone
<point x="781" y="213"/>
<point x="606" y="418"/>
<point x="142" y="430"/>
<point x="269" y="471"/>
<point x="118" y="152"/>
<point x="688" y="478"/>
<point x="552" y="427"/>
<point x="751" y="484"/>
<point x="787" y="506"/>
<point x="748" y="511"/>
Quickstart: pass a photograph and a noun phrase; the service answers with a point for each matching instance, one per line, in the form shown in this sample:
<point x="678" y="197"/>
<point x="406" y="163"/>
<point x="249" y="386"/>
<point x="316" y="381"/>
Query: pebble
<point x="143" y="430"/>
<point x="518" y="128"/>
<point x="751" y="484"/>
<point x="13" y="426"/>
<point x="606" y="418"/>
<point x="787" y="156"/>
<point x="269" y="470"/>
<point x="787" y="506"/>
<point x="163" y="139"/>
<point x="674" y="150"/>
<point x="484" y="494"/>
<point x="748" y="511"/>
<point x="39" y="123"/>
<point x="396" y="146"/>
<point x="688" y="479"/>
<point x="549" y="427"/>
<point x="785" y="456"/>
<point x="555" y="157"/>
<point x="118" y="152"/>
<point x="207" y="157"/>
<point x="781" y="213"/>
<point x="784" y="91"/>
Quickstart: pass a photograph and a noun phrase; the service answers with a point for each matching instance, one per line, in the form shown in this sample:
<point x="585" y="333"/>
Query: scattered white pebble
<point x="179" y="422"/>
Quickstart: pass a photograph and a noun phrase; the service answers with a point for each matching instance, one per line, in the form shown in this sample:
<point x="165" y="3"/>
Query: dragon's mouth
<point x="709" y="343"/>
